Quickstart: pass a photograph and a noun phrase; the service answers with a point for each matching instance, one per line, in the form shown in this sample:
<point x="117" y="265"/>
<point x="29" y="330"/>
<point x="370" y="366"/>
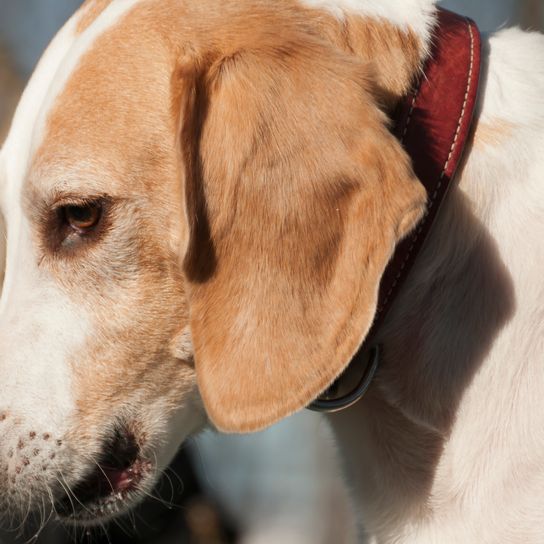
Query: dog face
<point x="199" y="203"/>
<point x="96" y="359"/>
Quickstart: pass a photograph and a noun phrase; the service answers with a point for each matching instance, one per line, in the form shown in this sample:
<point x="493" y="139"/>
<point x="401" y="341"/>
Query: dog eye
<point x="82" y="218"/>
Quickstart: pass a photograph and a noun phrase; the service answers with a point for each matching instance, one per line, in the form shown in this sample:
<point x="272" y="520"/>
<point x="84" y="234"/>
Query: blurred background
<point x="283" y="485"/>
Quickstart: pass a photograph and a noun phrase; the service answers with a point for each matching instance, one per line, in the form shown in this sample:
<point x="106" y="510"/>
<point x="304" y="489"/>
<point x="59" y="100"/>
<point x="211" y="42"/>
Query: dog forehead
<point x="44" y="90"/>
<point x="32" y="299"/>
<point x="26" y="137"/>
<point x="111" y="125"/>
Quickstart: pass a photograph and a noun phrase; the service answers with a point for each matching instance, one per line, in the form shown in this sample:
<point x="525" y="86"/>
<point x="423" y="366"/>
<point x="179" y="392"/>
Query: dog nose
<point x="116" y="473"/>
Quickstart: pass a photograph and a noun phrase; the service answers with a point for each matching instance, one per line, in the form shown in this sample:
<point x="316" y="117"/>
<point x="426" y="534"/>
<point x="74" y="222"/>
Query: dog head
<point x="199" y="207"/>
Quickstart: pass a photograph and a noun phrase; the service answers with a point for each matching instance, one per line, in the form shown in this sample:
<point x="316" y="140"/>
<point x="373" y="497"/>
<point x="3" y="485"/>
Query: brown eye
<point x="82" y="218"/>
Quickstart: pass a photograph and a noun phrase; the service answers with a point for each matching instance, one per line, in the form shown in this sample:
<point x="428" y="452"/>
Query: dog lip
<point x="126" y="479"/>
<point x="113" y="483"/>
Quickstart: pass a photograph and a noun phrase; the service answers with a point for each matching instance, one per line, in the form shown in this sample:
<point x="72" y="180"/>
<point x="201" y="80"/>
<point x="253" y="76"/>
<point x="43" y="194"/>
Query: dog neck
<point x="457" y="299"/>
<point x="435" y="341"/>
<point x="435" y="135"/>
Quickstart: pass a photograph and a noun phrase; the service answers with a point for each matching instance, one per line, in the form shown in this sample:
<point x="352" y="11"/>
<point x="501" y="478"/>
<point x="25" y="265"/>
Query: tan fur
<point x="90" y="10"/>
<point x="278" y="311"/>
<point x="493" y="133"/>
<point x="394" y="56"/>
<point x="135" y="266"/>
<point x="253" y="196"/>
<point x="279" y="130"/>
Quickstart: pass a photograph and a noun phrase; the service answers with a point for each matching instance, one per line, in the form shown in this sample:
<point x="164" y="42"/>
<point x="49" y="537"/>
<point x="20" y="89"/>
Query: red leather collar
<point x="433" y="124"/>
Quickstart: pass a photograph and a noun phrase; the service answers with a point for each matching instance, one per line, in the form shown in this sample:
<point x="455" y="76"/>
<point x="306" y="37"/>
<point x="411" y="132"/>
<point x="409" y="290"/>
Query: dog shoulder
<point x="511" y="116"/>
<point x="505" y="167"/>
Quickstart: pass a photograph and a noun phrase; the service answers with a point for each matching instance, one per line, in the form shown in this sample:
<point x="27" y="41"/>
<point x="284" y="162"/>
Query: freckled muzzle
<point x="40" y="472"/>
<point x="29" y="471"/>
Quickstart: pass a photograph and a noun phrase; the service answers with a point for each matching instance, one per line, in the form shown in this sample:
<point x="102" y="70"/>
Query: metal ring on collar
<point x="341" y="403"/>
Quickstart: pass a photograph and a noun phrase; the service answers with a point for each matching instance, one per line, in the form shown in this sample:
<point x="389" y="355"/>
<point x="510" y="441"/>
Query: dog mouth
<point x="117" y="481"/>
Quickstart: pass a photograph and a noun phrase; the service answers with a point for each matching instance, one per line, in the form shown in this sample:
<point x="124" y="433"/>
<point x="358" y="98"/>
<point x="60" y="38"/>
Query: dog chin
<point x="122" y="478"/>
<point x="104" y="509"/>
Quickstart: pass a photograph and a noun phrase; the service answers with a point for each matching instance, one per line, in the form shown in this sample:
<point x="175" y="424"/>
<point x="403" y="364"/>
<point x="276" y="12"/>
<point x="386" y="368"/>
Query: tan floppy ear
<point x="296" y="196"/>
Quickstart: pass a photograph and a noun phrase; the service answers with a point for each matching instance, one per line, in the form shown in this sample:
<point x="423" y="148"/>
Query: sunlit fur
<point x="250" y="252"/>
<point x="447" y="447"/>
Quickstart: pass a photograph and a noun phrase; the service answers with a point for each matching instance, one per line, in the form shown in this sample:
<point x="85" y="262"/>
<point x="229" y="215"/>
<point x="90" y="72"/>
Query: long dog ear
<point x="296" y="195"/>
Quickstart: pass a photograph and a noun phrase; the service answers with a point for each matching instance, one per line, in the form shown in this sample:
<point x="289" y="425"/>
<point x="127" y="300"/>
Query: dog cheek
<point x="132" y="362"/>
<point x="181" y="346"/>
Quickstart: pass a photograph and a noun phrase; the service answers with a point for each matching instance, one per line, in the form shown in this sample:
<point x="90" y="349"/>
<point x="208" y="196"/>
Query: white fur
<point x="108" y="18"/>
<point x="416" y="15"/>
<point x="41" y="330"/>
<point x="455" y="451"/>
<point x="37" y="341"/>
<point x="15" y="154"/>
<point x="35" y="358"/>
<point x="23" y="278"/>
<point x="47" y="82"/>
<point x="449" y="446"/>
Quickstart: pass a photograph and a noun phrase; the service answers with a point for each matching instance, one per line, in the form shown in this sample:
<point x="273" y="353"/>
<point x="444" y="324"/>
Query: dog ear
<point x="296" y="194"/>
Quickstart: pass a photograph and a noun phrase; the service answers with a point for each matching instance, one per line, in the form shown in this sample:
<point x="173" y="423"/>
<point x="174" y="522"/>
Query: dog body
<point x="188" y="137"/>
<point x="450" y="447"/>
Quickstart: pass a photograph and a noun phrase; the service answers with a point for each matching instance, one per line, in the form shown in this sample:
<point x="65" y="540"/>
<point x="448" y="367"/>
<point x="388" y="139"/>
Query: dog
<point x="251" y="477"/>
<point x="11" y="88"/>
<point x="200" y="200"/>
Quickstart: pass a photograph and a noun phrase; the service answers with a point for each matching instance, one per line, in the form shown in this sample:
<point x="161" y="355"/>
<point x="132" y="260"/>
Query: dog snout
<point x="120" y="472"/>
<point x="28" y="464"/>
